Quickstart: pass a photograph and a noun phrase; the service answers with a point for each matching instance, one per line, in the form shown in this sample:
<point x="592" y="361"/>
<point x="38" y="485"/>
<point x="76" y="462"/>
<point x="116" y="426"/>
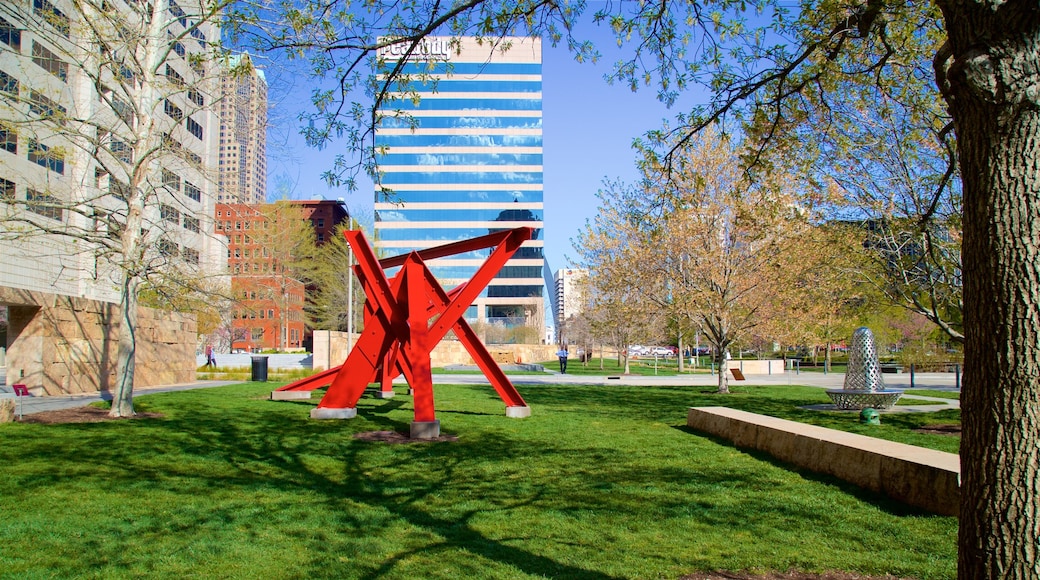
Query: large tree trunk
<point x="991" y="81"/>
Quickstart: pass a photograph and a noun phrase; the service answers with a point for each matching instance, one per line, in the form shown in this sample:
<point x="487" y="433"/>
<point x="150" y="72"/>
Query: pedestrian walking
<point x="211" y="359"/>
<point x="562" y="354"/>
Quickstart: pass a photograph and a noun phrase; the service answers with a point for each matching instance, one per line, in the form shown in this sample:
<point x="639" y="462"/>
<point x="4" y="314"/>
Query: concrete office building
<point x="69" y="141"/>
<point x="242" y="157"/>
<point x="570" y="295"/>
<point x="465" y="161"/>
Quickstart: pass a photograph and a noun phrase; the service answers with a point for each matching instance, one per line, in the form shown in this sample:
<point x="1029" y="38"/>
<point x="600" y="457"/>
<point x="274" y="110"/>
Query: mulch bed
<point x="395" y="437"/>
<point x="946" y="429"/>
<point x="81" y="415"/>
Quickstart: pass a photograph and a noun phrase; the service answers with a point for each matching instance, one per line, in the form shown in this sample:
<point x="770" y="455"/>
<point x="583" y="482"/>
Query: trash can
<point x="259" y="369"/>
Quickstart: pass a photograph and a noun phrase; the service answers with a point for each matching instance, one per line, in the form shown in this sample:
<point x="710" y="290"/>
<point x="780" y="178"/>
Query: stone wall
<point x="916" y="476"/>
<point x="61" y="344"/>
<point x="330" y="349"/>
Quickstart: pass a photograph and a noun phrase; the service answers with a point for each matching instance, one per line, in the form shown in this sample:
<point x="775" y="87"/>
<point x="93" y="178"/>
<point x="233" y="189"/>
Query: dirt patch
<point x="81" y="415"/>
<point x="946" y="429"/>
<point x="785" y="576"/>
<point x="395" y="437"/>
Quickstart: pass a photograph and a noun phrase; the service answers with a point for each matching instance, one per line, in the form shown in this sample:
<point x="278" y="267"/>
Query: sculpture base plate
<point x="857" y="400"/>
<point x="330" y="413"/>
<point x="290" y="395"/>
<point x="425" y="430"/>
<point x="518" y="412"/>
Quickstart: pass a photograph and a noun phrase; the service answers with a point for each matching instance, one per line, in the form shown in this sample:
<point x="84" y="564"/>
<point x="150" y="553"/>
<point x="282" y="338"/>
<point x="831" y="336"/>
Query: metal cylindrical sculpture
<point x="864" y="372"/>
<point x="864" y="386"/>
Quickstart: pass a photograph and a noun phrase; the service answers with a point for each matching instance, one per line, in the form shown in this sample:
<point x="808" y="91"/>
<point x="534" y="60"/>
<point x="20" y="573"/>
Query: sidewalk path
<point x="931" y="381"/>
<point x="30" y="405"/>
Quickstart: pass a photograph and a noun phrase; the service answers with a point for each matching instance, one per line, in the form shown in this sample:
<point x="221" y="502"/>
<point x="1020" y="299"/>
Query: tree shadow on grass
<point x="235" y="447"/>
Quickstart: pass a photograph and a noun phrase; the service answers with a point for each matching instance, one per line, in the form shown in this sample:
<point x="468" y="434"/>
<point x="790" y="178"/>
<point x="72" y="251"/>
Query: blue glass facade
<point x="466" y="160"/>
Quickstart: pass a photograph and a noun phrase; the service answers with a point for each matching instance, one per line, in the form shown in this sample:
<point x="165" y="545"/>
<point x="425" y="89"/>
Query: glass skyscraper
<point x="464" y="160"/>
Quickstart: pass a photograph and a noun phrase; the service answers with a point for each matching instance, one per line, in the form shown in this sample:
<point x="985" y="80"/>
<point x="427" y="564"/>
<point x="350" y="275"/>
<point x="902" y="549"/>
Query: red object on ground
<point x="398" y="336"/>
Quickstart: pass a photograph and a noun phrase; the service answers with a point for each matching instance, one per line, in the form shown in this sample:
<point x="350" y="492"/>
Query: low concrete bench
<point x="920" y="477"/>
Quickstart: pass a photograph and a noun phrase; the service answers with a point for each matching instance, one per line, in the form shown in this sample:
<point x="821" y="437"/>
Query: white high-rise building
<point x="81" y="119"/>
<point x="570" y="293"/>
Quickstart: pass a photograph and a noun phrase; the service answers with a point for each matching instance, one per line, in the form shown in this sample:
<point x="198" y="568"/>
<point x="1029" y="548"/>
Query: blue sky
<point x="588" y="129"/>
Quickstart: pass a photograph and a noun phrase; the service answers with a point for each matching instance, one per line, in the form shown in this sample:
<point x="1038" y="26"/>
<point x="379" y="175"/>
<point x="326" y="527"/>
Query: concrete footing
<point x="383" y="394"/>
<point x="290" y="395"/>
<point x="411" y="391"/>
<point x="518" y="412"/>
<point x="425" y="429"/>
<point x="330" y="413"/>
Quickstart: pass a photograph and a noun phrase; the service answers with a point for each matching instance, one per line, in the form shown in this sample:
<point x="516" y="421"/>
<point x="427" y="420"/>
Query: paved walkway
<point x="931" y="381"/>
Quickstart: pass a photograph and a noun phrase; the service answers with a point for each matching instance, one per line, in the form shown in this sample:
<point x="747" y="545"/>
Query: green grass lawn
<point x="599" y="483"/>
<point x="934" y="393"/>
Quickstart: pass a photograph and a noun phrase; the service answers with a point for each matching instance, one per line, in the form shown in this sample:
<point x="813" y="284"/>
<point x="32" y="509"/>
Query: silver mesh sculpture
<point x="864" y="386"/>
<point x="864" y="372"/>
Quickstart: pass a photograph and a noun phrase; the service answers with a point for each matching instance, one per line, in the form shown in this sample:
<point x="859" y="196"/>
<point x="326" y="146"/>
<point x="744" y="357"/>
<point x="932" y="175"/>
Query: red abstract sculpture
<point x="405" y="318"/>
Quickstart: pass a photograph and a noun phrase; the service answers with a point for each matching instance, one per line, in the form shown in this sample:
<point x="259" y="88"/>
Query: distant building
<point x="470" y="165"/>
<point x="242" y="156"/>
<point x="570" y="297"/>
<point x="69" y="141"/>
<point x="269" y="310"/>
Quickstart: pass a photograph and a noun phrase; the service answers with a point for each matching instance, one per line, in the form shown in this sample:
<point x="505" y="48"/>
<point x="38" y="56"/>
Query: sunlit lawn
<point x="600" y="482"/>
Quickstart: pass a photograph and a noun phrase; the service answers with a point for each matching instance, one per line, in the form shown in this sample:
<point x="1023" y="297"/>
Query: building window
<point x="52" y="16"/>
<point x="6" y="189"/>
<point x="198" y="35"/>
<point x="172" y="110"/>
<point x="192" y="192"/>
<point x="257" y="334"/>
<point x="8" y="139"/>
<point x="174" y="76"/>
<point x="196" y="97"/>
<point x="121" y="151"/>
<point x="177" y="13"/>
<point x="46" y="108"/>
<point x="49" y="61"/>
<point x="167" y="248"/>
<point x="43" y="156"/>
<point x="190" y="256"/>
<point x="43" y="204"/>
<point x="10" y="35"/>
<point x="118" y="189"/>
<point x="171" y="180"/>
<point x="123" y="110"/>
<point x="8" y="83"/>
<point x="179" y="49"/>
<point x="193" y="127"/>
<point x="191" y="224"/>
<point x="169" y="213"/>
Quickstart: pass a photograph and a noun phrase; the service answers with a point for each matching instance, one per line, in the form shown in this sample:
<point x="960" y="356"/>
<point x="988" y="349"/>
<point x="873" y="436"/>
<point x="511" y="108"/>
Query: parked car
<point x="661" y="351"/>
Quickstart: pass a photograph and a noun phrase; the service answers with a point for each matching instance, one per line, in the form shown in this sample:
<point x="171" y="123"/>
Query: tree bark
<point x="990" y="77"/>
<point x="123" y="393"/>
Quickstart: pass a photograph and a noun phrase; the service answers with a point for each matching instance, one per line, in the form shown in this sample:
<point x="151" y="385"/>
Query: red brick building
<point x="269" y="311"/>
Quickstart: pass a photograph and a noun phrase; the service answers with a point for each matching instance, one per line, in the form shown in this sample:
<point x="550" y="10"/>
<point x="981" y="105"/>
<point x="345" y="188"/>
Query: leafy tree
<point x="721" y="244"/>
<point x="336" y="296"/>
<point x="619" y="309"/>
<point x="286" y="239"/>
<point x="769" y="67"/>
<point x="123" y="164"/>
